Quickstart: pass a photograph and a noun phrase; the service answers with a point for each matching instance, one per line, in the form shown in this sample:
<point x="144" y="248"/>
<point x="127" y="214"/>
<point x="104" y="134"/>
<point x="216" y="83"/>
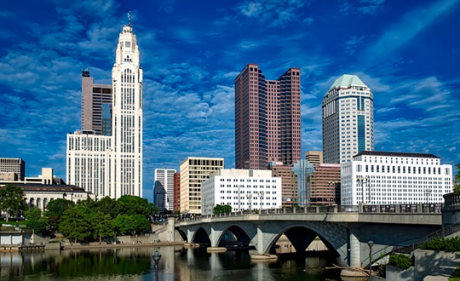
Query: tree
<point x="102" y="225"/>
<point x="109" y="206"/>
<point x="222" y="209"/>
<point x="133" y="205"/>
<point x="124" y="224"/>
<point x="75" y="224"/>
<point x="88" y="203"/>
<point x="12" y="200"/>
<point x="141" y="224"/>
<point x="55" y="210"/>
<point x="457" y="180"/>
<point x="35" y="220"/>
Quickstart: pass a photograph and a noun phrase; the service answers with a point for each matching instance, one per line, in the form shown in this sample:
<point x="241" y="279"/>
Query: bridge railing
<point x="362" y="208"/>
<point x="403" y="208"/>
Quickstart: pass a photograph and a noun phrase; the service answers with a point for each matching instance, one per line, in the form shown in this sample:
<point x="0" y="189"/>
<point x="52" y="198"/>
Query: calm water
<point x="176" y="263"/>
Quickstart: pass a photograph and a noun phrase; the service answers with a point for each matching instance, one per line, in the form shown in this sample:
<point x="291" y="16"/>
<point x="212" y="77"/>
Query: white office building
<point x="348" y="120"/>
<point x="112" y="165"/>
<point x="374" y="177"/>
<point x="163" y="188"/>
<point x="241" y="189"/>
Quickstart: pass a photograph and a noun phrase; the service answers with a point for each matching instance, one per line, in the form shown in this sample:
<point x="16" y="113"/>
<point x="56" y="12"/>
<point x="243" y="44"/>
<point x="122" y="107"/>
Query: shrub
<point x="442" y="244"/>
<point x="401" y="261"/>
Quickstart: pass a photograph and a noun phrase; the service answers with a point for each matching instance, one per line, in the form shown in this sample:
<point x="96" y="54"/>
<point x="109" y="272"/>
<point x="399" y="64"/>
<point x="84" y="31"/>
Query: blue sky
<point x="408" y="52"/>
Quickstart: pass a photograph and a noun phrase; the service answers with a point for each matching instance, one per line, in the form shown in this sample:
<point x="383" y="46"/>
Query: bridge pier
<point x="215" y="236"/>
<point x="354" y="252"/>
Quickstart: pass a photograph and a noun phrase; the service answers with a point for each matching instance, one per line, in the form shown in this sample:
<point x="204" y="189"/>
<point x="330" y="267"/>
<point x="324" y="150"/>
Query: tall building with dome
<point x="348" y="120"/>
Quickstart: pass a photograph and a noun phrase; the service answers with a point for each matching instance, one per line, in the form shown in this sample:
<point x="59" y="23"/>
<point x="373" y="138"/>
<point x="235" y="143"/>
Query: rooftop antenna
<point x="129" y="18"/>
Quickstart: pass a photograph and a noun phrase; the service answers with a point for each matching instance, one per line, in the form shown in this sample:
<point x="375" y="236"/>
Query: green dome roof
<point x="347" y="80"/>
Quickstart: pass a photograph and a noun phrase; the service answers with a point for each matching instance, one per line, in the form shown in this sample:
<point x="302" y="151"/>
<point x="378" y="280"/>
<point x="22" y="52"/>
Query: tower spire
<point x="129" y="18"/>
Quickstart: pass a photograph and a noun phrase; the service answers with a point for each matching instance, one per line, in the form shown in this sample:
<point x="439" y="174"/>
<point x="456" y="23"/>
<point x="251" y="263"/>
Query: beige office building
<point x="314" y="157"/>
<point x="13" y="165"/>
<point x="193" y="171"/>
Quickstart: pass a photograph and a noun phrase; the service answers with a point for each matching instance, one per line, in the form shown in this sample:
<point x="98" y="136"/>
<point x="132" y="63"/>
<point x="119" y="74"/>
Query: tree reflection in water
<point x="176" y="263"/>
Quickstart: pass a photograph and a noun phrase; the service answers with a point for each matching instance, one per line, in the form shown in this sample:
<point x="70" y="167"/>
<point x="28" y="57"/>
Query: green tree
<point x="102" y="225"/>
<point x="88" y="203"/>
<point x="222" y="209"/>
<point x="141" y="224"/>
<point x="457" y="180"/>
<point x="133" y="205"/>
<point x="12" y="200"/>
<point x="55" y="210"/>
<point x="35" y="220"/>
<point x="124" y="224"/>
<point x="109" y="206"/>
<point x="75" y="224"/>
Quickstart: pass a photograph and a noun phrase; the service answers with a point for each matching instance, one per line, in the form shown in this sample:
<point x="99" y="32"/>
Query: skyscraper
<point x="112" y="165"/>
<point x="348" y="120"/>
<point x="267" y="118"/>
<point x="93" y="98"/>
<point x="164" y="188"/>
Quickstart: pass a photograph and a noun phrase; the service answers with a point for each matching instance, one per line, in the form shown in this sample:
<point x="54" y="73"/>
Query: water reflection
<point x="176" y="263"/>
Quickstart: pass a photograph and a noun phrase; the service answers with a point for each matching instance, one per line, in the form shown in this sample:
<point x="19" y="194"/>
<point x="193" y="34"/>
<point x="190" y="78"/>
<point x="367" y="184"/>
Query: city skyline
<point x="191" y="55"/>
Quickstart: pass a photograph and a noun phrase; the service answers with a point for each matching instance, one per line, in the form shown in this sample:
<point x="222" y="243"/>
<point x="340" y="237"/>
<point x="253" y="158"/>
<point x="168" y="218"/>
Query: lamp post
<point x="370" y="244"/>
<point x="156" y="256"/>
<point x="427" y="192"/>
<point x="261" y="195"/>
<point x="334" y="184"/>
<point x="361" y="181"/>
<point x="249" y="196"/>
<point x="239" y="199"/>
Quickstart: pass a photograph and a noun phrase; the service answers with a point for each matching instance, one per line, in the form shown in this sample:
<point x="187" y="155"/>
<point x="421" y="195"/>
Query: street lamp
<point x="363" y="180"/>
<point x="156" y="256"/>
<point x="261" y="195"/>
<point x="370" y="244"/>
<point x="427" y="192"/>
<point x="249" y="196"/>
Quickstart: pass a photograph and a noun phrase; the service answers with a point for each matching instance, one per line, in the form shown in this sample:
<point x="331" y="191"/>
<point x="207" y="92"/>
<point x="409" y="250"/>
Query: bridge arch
<point x="241" y="234"/>
<point x="301" y="235"/>
<point x="182" y="234"/>
<point x="201" y="236"/>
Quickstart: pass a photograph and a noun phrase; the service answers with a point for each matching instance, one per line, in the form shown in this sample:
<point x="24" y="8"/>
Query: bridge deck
<point x="385" y="218"/>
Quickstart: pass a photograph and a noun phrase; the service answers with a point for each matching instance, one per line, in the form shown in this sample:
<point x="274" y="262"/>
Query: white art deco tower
<point x="112" y="165"/>
<point x="127" y="115"/>
<point x="348" y="120"/>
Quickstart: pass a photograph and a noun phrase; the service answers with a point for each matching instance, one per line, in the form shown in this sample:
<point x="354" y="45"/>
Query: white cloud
<point x="365" y="7"/>
<point x="272" y="12"/>
<point x="405" y="30"/>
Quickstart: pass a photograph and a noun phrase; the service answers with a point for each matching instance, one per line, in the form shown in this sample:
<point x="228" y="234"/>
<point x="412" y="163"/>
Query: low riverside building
<point x="375" y="177"/>
<point x="39" y="191"/>
<point x="241" y="189"/>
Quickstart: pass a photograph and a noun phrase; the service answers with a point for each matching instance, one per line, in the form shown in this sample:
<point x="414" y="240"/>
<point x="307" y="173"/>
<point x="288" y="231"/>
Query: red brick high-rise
<point x="176" y="206"/>
<point x="267" y="118"/>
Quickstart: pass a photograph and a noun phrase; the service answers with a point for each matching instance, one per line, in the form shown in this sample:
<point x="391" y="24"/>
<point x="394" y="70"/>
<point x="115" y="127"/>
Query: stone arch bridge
<point x="347" y="234"/>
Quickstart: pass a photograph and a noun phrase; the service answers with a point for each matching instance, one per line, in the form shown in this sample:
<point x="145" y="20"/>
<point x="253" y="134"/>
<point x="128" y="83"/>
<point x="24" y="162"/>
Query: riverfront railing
<point x="446" y="231"/>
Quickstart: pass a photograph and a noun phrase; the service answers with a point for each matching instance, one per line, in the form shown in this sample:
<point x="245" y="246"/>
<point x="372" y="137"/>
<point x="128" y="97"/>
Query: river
<point x="177" y="263"/>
